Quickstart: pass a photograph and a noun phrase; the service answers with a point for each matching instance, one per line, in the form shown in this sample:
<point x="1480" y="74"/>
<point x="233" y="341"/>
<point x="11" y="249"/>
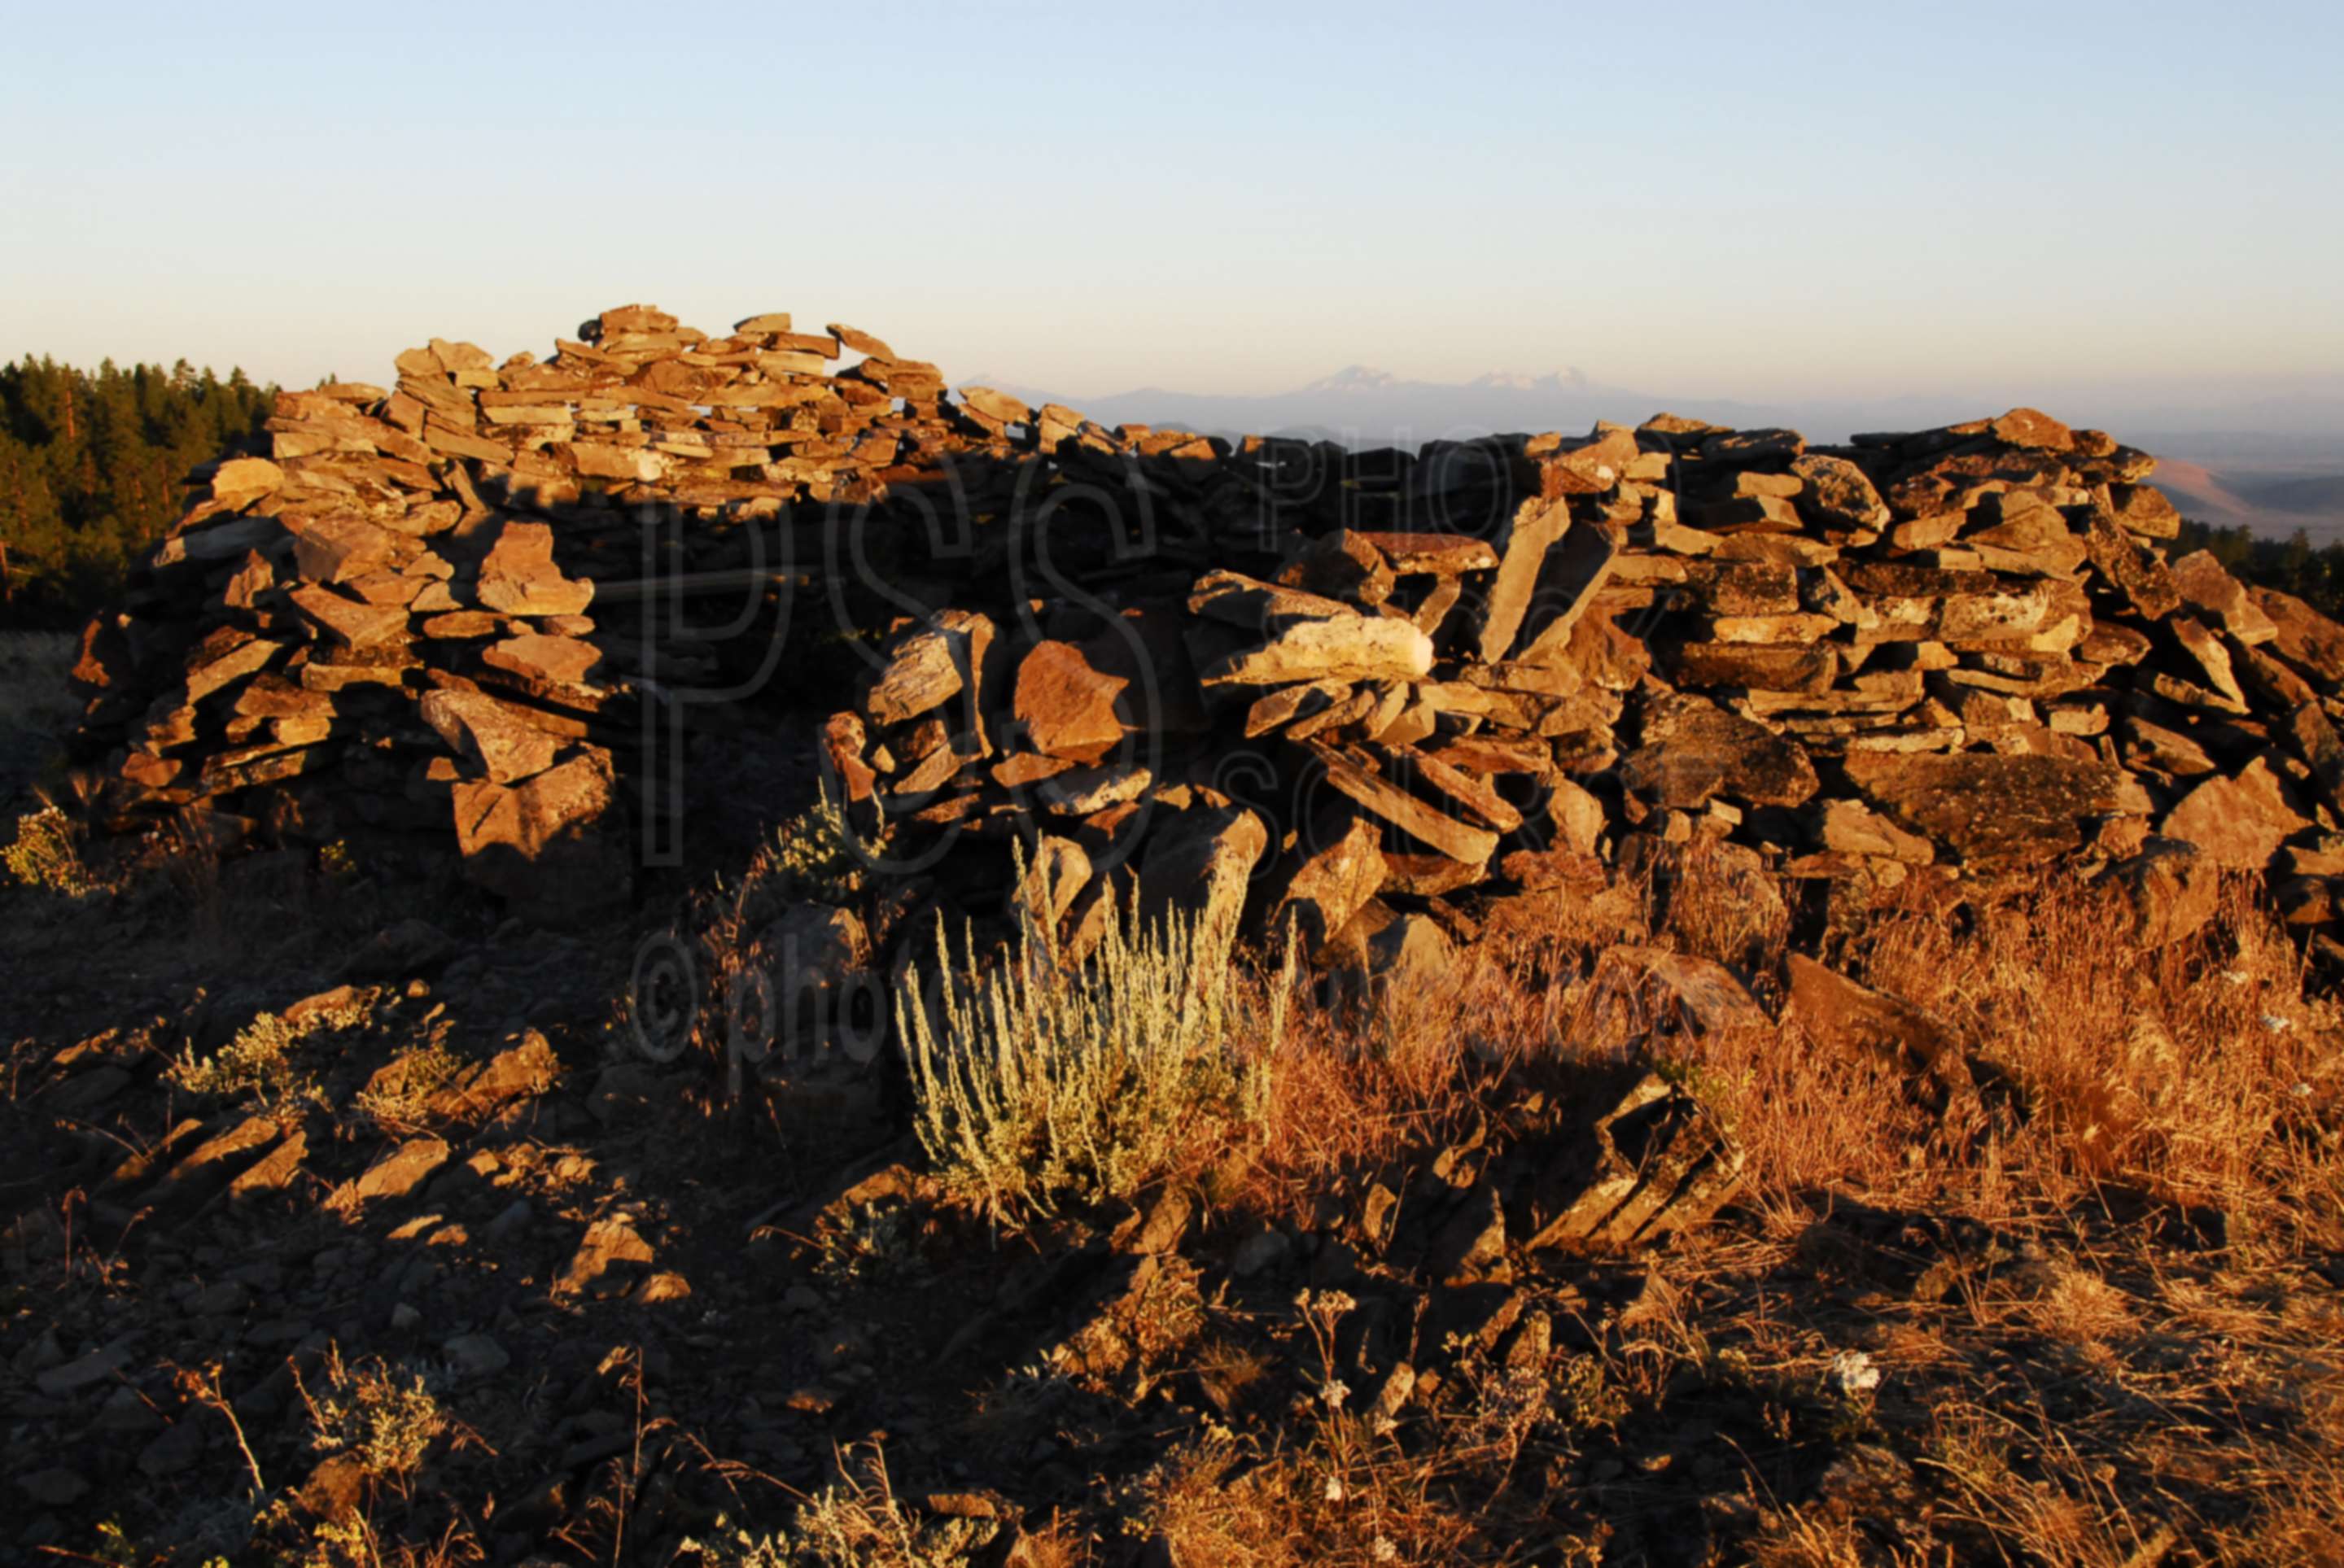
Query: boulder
<point x="1755" y="666"/>
<point x="518" y="576"/>
<point x="1848" y="1016"/>
<point x="335" y="548"/>
<point x="609" y="1260"/>
<point x="924" y="672"/>
<point x="2139" y="575"/>
<point x="1084" y="791"/>
<point x="496" y="736"/>
<point x="240" y="481"/>
<point x="1693" y="750"/>
<point x="1409" y="957"/>
<point x="402" y="1170"/>
<point x="1067" y="708"/>
<point x="1521" y="545"/>
<point x="1837" y="494"/>
<point x="2205" y="585"/>
<point x="1355" y="775"/>
<point x="2305" y="638"/>
<point x="556" y="660"/>
<point x="1329" y="876"/>
<point x="1470" y="1245"/>
<point x="2173" y="888"/>
<point x="1198" y="863"/>
<point x="1996" y="808"/>
<point x="1655" y="1164"/>
<point x="2032" y="427"/>
<point x="2239" y="822"/>
<point x="1344" y="565"/>
<point x="1345" y="646"/>
<point x="1852" y="828"/>
<point x="548" y="845"/>
<point x="1639" y="992"/>
<point x="2212" y="659"/>
<point x="2144" y="511"/>
<point x="1575" y="571"/>
<point x="350" y="622"/>
<point x="2164" y="750"/>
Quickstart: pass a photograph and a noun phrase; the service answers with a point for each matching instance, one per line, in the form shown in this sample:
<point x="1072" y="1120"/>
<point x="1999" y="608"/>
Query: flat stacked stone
<point x="1384" y="680"/>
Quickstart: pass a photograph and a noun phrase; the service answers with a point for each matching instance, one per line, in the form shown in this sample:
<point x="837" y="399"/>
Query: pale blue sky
<point x="1757" y="201"/>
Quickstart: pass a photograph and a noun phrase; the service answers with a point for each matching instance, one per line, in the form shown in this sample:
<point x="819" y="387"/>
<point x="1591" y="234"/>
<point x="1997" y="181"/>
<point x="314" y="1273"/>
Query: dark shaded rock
<point x="1655" y="1164"/>
<point x="549" y="845"/>
<point x="1198" y="863"/>
<point x="1693" y="750"/>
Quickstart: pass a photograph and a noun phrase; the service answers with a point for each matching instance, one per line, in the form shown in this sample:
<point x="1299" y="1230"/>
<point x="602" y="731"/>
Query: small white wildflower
<point x="1334" y="1489"/>
<point x="1335" y="1391"/>
<point x="1383" y="1550"/>
<point x="1851" y="1373"/>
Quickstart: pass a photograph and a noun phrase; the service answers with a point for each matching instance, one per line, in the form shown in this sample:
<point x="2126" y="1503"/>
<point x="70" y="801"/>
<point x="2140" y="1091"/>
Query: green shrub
<point x="816" y="855"/>
<point x="386" y="1414"/>
<point x="262" y="1062"/>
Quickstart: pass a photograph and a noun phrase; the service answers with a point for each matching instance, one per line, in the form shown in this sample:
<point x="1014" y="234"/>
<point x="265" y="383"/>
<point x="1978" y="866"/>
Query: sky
<point x="1740" y="201"/>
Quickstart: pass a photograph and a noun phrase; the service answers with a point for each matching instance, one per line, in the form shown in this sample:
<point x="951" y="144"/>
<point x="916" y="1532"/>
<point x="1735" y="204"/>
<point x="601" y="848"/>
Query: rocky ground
<point x="454" y="1273"/>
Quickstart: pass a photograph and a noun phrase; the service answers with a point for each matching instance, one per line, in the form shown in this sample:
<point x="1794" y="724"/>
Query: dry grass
<point x="2099" y="1289"/>
<point x="2201" y="1075"/>
<point x="2129" y="1360"/>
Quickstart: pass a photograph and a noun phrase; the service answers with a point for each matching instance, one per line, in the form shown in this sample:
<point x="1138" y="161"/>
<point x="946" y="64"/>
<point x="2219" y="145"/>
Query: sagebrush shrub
<point x="261" y="1062"/>
<point x="1037" y="1081"/>
<point x="45" y="856"/>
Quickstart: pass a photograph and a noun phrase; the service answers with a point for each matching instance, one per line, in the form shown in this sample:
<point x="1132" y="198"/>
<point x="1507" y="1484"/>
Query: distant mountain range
<point x="2273" y="463"/>
<point x="2272" y="505"/>
<point x="1363" y="406"/>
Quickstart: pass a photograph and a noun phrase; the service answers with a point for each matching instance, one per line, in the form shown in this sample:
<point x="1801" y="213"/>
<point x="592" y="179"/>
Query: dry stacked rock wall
<point x="1339" y="687"/>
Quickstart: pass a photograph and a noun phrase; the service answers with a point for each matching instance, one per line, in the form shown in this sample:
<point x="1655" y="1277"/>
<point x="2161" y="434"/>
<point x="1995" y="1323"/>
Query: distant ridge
<point x="2273" y="506"/>
<point x="2266" y="479"/>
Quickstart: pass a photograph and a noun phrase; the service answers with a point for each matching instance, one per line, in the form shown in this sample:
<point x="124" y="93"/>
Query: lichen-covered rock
<point x="1996" y="808"/>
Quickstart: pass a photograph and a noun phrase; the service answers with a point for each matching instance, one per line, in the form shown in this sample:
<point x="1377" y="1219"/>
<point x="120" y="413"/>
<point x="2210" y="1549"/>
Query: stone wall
<point x="1467" y="683"/>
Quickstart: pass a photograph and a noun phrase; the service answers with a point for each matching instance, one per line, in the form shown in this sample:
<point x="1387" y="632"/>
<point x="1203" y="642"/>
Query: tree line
<point x="93" y="464"/>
